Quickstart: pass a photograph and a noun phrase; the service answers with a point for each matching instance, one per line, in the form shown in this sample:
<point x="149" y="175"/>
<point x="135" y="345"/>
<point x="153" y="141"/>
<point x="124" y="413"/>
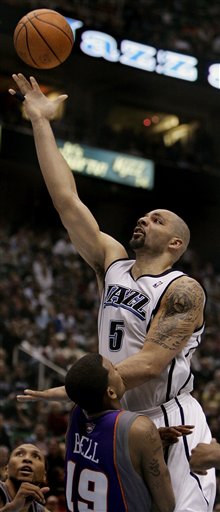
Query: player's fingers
<point x="175" y="431"/>
<point x="25" y="398"/>
<point x="34" y="84"/>
<point x="17" y="94"/>
<point x="31" y="392"/>
<point x="185" y="429"/>
<point x="33" y="493"/>
<point x="28" y="396"/>
<point x="61" y="98"/>
<point x="22" y="82"/>
<point x="185" y="426"/>
<point x="44" y="490"/>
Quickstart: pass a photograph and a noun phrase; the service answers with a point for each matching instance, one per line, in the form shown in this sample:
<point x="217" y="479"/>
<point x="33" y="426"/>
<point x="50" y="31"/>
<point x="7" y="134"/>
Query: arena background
<point x="111" y="107"/>
<point x="186" y="174"/>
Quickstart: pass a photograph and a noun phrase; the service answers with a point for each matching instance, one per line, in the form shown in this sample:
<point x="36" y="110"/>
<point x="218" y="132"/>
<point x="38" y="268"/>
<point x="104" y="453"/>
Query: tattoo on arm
<point x="151" y="458"/>
<point x="183" y="305"/>
<point x="154" y="467"/>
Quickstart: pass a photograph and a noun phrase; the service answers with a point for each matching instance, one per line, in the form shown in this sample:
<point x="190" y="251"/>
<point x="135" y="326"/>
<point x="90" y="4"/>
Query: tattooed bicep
<point x="187" y="295"/>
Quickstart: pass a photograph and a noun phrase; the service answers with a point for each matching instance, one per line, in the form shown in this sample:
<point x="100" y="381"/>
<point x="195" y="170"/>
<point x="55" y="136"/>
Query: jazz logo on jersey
<point x="132" y="300"/>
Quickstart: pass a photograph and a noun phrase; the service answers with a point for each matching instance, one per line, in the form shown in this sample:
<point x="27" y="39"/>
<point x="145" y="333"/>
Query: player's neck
<point x="91" y="416"/>
<point x="148" y="265"/>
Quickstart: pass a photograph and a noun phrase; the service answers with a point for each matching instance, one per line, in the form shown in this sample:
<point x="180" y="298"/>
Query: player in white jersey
<point x="151" y="318"/>
<point x="134" y="304"/>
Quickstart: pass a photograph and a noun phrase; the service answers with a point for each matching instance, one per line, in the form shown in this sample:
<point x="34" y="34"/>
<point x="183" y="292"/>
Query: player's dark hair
<point x="86" y="382"/>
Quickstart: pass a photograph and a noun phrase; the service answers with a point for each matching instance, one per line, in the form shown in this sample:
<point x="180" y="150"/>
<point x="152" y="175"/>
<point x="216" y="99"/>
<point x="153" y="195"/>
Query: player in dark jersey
<point x="108" y="441"/>
<point x="25" y="485"/>
<point x="114" y="458"/>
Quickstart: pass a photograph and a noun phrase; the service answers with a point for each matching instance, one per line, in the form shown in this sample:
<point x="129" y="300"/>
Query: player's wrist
<point x="39" y="120"/>
<point x="10" y="507"/>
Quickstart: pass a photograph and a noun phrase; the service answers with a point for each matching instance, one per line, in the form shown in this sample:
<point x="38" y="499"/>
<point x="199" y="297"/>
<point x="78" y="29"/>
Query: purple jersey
<point x="99" y="474"/>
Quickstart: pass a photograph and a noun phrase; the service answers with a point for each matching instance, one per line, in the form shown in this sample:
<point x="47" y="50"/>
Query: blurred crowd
<point x="191" y="27"/>
<point x="49" y="300"/>
<point x="182" y="25"/>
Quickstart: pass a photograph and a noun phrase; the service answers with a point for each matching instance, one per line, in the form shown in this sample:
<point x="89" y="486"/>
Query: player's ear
<point x="175" y="243"/>
<point x="111" y="393"/>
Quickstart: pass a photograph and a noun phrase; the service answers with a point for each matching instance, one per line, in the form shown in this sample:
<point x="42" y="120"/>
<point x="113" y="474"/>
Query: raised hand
<point x="36" y="104"/>
<point x="27" y="493"/>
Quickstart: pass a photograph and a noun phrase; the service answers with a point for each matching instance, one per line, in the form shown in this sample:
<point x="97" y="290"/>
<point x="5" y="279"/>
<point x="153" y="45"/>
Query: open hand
<point x="36" y="104"/>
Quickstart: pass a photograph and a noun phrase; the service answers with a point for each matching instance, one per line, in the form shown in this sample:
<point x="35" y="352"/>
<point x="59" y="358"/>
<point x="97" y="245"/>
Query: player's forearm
<point x="57" y="394"/>
<point x="136" y="370"/>
<point x="55" y="170"/>
<point x="9" y="507"/>
<point x="169" y="507"/>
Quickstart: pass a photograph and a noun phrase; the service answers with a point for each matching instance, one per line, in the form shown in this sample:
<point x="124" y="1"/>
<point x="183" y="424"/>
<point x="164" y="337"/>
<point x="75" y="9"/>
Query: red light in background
<point x="147" y="122"/>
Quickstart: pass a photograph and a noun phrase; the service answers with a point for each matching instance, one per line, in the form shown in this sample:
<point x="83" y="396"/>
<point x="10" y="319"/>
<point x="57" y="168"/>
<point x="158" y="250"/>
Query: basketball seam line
<point x="52" y="24"/>
<point x="44" y="42"/>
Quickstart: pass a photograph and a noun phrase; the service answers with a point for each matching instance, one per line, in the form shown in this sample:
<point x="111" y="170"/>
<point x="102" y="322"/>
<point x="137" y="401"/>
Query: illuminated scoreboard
<point x="98" y="44"/>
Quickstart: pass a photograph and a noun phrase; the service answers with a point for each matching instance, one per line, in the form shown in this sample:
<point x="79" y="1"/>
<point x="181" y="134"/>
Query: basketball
<point x="43" y="39"/>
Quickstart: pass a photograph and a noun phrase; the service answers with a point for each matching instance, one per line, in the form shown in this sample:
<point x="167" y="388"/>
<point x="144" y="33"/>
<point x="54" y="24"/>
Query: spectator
<point x="24" y="487"/>
<point x="4" y="436"/>
<point x="4" y="457"/>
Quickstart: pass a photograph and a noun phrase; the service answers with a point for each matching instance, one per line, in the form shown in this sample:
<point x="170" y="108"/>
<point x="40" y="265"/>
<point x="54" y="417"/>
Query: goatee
<point x="136" y="243"/>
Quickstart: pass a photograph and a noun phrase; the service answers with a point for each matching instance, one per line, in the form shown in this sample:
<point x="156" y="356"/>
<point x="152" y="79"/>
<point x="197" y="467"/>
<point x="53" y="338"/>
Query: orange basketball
<point x="43" y="39"/>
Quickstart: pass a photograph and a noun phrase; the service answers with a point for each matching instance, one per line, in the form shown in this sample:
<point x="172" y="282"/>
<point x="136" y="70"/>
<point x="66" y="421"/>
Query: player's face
<point x="27" y="464"/>
<point x="114" y="378"/>
<point x="154" y="231"/>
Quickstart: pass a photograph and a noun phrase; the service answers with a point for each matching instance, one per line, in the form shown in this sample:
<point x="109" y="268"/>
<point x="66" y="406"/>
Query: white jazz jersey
<point x="125" y="315"/>
<point x="126" y="311"/>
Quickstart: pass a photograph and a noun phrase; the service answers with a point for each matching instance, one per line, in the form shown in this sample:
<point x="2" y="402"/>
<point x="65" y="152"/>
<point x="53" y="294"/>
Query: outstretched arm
<point x="205" y="456"/>
<point x="168" y="435"/>
<point x="97" y="248"/>
<point x="52" y="395"/>
<point x="180" y="313"/>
